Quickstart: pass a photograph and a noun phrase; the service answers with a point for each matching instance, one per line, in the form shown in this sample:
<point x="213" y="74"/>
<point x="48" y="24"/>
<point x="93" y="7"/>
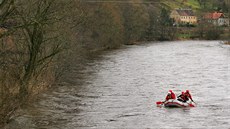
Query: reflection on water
<point x="119" y="89"/>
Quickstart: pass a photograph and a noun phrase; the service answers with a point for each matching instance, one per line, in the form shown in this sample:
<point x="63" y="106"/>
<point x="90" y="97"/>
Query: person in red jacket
<point x="187" y="94"/>
<point x="170" y="95"/>
<point x="182" y="97"/>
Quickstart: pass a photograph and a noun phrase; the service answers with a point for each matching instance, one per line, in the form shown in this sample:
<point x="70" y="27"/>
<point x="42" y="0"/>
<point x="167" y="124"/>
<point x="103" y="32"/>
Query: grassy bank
<point x="207" y="33"/>
<point x="172" y="4"/>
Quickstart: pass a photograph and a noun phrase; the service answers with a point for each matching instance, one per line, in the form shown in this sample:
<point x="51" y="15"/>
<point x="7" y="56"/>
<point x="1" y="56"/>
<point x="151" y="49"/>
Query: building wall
<point x="174" y="15"/>
<point x="226" y="21"/>
<point x="188" y="19"/>
<point x="220" y="21"/>
<point x="183" y="19"/>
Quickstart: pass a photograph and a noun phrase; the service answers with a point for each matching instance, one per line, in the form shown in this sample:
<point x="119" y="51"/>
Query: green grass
<point x="194" y="4"/>
<point x="184" y="36"/>
<point x="172" y="4"/>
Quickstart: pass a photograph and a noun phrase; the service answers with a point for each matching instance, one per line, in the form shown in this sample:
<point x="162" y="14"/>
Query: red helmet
<point x="170" y="91"/>
<point x="187" y="91"/>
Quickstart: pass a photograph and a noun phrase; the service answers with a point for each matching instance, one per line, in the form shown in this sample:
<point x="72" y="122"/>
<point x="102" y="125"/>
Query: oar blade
<point x="159" y="102"/>
<point x="191" y="105"/>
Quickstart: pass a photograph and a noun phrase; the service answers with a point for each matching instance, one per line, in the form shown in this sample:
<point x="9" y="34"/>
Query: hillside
<point x="198" y="6"/>
<point x="172" y="4"/>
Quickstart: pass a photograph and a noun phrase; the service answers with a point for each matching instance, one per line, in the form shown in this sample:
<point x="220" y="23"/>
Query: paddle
<point x="159" y="102"/>
<point x="191" y="105"/>
<point x="194" y="102"/>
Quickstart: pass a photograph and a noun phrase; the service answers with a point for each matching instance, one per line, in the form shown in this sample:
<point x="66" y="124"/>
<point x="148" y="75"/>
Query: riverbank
<point x="197" y="33"/>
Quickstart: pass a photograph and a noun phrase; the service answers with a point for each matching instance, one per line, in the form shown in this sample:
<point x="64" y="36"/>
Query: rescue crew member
<point x="182" y="97"/>
<point x="170" y="95"/>
<point x="188" y="95"/>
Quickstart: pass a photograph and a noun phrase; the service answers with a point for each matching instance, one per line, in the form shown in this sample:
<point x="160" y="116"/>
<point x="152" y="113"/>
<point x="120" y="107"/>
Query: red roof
<point x="214" y="15"/>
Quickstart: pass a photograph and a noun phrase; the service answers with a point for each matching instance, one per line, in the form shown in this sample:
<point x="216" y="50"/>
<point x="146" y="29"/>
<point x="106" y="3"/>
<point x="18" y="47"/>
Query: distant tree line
<point x="109" y="25"/>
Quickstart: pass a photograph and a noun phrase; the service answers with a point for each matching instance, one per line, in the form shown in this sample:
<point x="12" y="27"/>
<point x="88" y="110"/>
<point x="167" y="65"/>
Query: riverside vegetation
<point x="39" y="36"/>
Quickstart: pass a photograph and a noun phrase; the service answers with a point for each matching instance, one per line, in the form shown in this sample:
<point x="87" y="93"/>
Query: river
<point x="119" y="88"/>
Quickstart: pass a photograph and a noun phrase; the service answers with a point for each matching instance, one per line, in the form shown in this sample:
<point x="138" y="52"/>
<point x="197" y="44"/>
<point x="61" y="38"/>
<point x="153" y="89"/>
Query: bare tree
<point x="35" y="27"/>
<point x="37" y="30"/>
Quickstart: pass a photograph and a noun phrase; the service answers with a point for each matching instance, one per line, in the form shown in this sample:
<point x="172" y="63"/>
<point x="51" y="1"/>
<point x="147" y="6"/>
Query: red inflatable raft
<point x="175" y="103"/>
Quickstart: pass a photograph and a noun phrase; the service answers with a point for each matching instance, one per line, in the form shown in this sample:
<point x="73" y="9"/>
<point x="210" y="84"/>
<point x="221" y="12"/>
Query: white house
<point x="217" y="18"/>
